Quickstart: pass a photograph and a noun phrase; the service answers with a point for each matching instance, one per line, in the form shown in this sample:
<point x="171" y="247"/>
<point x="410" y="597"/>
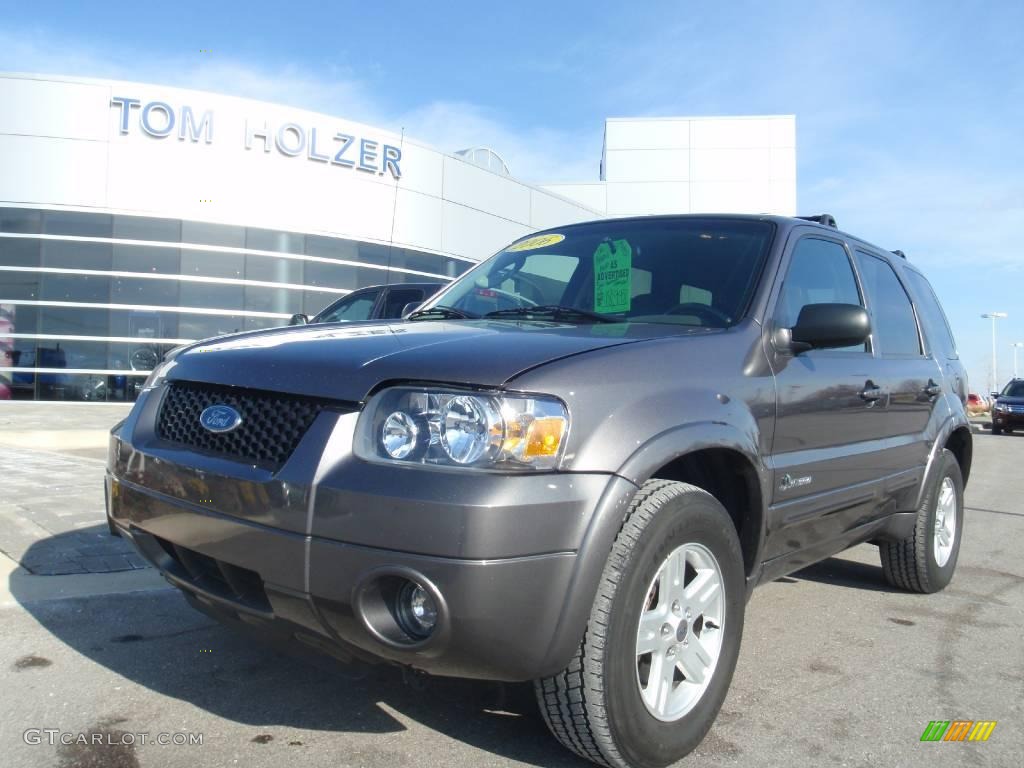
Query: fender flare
<point x="610" y="512"/>
<point x="949" y="425"/>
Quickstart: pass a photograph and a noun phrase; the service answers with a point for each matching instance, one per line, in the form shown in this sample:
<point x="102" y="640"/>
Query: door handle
<point x="932" y="389"/>
<point x="872" y="392"/>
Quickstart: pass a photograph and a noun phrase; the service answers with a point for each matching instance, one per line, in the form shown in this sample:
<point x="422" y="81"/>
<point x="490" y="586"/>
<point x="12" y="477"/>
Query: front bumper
<point x="298" y="559"/>
<point x="1008" y="419"/>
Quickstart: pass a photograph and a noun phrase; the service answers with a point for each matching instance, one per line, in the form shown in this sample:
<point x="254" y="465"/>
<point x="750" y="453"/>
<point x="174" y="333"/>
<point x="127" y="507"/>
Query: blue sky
<point x="909" y="114"/>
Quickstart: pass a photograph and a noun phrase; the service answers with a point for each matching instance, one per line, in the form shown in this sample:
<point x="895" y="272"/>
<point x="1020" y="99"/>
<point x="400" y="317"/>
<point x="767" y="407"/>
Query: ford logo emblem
<point x="220" y="418"/>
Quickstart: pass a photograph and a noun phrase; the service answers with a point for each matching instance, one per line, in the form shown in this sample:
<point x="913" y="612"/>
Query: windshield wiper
<point x="445" y="313"/>
<point x="555" y="312"/>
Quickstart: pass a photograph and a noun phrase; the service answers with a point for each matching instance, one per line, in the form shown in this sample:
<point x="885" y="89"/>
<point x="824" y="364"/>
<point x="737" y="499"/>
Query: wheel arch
<point x="961" y="443"/>
<point x="729" y="476"/>
<point x="954" y="435"/>
<point x="711" y="456"/>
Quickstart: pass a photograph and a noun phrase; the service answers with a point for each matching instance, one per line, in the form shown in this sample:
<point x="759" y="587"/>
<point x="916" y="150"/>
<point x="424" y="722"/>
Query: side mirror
<point x="298" y="319"/>
<point x="993" y="395"/>
<point x="411" y="307"/>
<point x="828" y="326"/>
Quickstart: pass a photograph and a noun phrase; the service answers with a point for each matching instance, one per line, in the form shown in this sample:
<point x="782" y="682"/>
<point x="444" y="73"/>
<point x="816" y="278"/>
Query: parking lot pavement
<point x="836" y="669"/>
<point x="51" y="489"/>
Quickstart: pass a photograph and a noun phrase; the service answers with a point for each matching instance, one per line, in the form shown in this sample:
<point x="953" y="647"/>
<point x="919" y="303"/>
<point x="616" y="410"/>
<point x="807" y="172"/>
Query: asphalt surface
<point x="836" y="669"/>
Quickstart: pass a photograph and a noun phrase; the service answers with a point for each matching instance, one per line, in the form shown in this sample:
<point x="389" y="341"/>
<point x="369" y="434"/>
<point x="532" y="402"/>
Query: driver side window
<point x="819" y="273"/>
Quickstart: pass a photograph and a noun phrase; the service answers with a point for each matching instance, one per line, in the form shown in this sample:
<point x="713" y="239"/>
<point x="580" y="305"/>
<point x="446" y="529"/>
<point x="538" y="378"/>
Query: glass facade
<point x="89" y="302"/>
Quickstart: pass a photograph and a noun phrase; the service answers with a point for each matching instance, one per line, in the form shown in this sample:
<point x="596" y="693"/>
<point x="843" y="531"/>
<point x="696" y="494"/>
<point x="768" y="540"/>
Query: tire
<point x="913" y="563"/>
<point x="596" y="705"/>
<point x="997" y="430"/>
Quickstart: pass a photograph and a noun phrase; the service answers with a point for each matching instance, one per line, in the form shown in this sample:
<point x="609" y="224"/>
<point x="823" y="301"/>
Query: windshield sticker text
<point x="613" y="265"/>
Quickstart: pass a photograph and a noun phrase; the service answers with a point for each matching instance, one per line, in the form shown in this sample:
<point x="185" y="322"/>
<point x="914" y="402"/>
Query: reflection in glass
<point x="71" y="287"/>
<point x="73" y="254"/>
<point x="143" y="329"/>
<point x="281" y="300"/>
<point x="146" y="258"/>
<point x="205" y="326"/>
<point x="77" y="224"/>
<point x="18" y="252"/>
<point x="75" y="321"/>
<point x="203" y="233"/>
<point x="270" y="240"/>
<point x="21" y="220"/>
<point x="213" y="264"/>
<point x="147" y="228"/>
<point x="135" y="290"/>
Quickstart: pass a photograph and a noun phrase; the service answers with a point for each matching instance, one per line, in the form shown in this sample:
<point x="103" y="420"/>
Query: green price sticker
<point x="613" y="265"/>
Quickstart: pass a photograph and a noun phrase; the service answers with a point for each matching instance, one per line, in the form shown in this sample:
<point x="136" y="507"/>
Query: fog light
<point x="417" y="610"/>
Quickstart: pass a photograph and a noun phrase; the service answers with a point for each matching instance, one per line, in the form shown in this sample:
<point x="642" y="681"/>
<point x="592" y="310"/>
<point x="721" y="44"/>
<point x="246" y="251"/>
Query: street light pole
<point x="1016" y="345"/>
<point x="993" y="316"/>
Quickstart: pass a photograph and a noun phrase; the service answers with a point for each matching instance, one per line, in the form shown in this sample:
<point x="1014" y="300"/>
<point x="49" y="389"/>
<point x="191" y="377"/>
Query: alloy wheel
<point x="679" y="636"/>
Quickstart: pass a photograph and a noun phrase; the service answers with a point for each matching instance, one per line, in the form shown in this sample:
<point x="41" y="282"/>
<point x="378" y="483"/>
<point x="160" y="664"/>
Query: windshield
<point x="693" y="271"/>
<point x="349" y="309"/>
<point x="1014" y="389"/>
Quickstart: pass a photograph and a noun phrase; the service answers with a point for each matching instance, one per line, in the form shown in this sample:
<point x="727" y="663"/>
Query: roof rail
<point x="899" y="253"/>
<point x="825" y="219"/>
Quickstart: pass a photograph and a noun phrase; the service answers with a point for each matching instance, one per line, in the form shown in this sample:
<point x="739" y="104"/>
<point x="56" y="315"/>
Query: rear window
<point x="936" y="327"/>
<point x="895" y="326"/>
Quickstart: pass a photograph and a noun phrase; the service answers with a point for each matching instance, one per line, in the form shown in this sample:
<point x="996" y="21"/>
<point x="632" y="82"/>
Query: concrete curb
<point x="56" y="439"/>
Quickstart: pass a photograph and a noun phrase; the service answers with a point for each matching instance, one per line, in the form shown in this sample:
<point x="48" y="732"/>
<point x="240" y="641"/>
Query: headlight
<point x="1001" y="407"/>
<point x="159" y="373"/>
<point x="438" y="427"/>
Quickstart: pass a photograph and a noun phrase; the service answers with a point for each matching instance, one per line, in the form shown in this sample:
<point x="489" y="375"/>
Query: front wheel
<point x="663" y="637"/>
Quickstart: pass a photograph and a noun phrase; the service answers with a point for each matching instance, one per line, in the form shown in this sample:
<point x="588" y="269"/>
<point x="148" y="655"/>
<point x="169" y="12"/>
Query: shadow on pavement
<point x="846" y="573"/>
<point x="157" y="641"/>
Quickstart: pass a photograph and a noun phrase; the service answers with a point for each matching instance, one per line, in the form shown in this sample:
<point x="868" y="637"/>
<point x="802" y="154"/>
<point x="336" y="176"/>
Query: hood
<point x="1010" y="400"/>
<point x="346" y="361"/>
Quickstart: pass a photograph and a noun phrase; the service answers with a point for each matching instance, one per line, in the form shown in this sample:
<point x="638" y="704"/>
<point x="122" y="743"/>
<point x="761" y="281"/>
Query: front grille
<point x="272" y="423"/>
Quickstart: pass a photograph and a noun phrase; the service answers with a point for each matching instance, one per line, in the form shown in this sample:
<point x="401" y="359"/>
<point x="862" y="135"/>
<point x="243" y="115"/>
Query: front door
<point x="830" y="405"/>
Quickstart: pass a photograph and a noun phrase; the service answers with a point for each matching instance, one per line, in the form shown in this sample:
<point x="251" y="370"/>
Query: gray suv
<point x="571" y="466"/>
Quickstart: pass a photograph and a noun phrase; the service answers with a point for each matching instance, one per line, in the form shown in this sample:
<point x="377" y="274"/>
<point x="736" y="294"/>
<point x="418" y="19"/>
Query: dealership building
<point x="136" y="217"/>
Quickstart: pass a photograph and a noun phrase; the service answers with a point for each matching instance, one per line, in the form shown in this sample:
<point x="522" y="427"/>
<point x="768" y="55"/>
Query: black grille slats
<point x="272" y="423"/>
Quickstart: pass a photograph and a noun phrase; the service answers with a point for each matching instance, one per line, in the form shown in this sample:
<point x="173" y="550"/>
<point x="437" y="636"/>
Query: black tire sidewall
<point x="642" y="739"/>
<point x="940" y="576"/>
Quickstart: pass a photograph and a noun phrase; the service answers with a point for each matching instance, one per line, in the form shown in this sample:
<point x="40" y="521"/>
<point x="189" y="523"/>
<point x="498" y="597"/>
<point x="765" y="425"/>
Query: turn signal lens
<point x="545" y="436"/>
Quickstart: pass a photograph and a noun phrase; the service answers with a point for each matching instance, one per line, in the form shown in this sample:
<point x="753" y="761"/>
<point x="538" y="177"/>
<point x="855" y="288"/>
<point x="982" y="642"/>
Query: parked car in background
<point x="377" y="302"/>
<point x="977" y="404"/>
<point x="1008" y="409"/>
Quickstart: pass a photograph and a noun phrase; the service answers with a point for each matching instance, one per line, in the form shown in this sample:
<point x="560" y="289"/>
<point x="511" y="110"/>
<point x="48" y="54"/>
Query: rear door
<point x="911" y="374"/>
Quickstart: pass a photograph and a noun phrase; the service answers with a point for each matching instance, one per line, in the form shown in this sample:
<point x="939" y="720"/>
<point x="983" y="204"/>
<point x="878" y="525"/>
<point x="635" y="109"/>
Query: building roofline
<point x="674" y="118"/>
<point x="399" y="135"/>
